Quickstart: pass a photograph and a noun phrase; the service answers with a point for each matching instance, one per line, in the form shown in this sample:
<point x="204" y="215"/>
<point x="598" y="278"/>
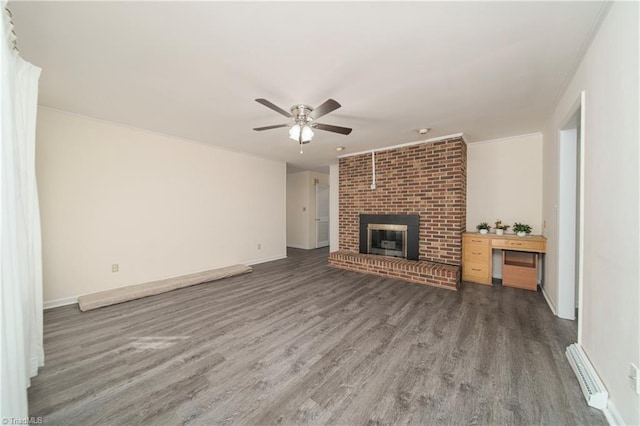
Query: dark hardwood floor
<point x="297" y="342"/>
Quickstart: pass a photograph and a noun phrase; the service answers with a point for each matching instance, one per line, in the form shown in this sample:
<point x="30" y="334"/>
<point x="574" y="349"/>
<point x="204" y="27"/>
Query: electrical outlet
<point x="634" y="377"/>
<point x="373" y="186"/>
<point x="259" y="246"/>
<point x="115" y="267"/>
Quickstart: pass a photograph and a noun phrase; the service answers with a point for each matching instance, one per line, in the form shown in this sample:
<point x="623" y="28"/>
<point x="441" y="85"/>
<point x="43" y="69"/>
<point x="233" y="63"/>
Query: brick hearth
<point x="429" y="180"/>
<point x="421" y="272"/>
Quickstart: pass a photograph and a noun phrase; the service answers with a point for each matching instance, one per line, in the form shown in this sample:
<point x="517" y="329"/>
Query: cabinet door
<point x="520" y="269"/>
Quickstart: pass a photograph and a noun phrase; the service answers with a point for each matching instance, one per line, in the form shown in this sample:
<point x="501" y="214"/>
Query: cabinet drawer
<point x="476" y="253"/>
<point x="470" y="239"/>
<point x="476" y="269"/>
<point x="522" y="245"/>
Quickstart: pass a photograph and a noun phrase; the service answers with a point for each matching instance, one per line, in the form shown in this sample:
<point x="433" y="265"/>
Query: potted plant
<point x="500" y="228"/>
<point x="483" y="228"/>
<point x="521" y="229"/>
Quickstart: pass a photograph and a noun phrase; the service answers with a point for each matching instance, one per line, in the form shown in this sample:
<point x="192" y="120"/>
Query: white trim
<point x="402" y="145"/>
<point x="612" y="415"/>
<point x="526" y="135"/>
<point x="265" y="259"/>
<point x="60" y="302"/>
<point x="582" y="146"/>
<point x="551" y="305"/>
<point x="299" y="246"/>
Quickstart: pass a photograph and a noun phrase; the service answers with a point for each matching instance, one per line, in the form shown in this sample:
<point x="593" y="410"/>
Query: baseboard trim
<point x="299" y="246"/>
<point x="266" y="259"/>
<point x="551" y="305"/>
<point x="613" y="416"/>
<point x="60" y="302"/>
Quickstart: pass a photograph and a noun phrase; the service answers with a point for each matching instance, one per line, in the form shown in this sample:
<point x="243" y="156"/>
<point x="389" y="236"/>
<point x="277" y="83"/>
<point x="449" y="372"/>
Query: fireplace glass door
<point x="387" y="240"/>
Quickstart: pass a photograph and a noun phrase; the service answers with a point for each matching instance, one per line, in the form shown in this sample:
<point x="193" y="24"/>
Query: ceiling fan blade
<point x="325" y="108"/>
<point x="330" y="128"/>
<point x="275" y="126"/>
<point x="273" y="107"/>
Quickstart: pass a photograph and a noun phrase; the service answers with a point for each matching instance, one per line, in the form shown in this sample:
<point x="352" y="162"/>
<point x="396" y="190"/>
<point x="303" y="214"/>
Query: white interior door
<point x="322" y="216"/>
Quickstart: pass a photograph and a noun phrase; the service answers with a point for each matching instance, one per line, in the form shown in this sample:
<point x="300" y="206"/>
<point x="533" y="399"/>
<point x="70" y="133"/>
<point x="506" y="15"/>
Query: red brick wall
<point x="429" y="180"/>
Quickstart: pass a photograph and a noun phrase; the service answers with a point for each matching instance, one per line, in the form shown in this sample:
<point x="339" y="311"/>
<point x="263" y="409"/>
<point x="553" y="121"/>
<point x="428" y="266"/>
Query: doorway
<point x="322" y="215"/>
<point x="570" y="216"/>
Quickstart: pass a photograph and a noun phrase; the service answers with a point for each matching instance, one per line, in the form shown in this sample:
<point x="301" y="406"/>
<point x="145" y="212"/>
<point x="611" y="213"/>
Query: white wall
<point x="504" y="181"/>
<point x="334" y="230"/>
<point x="610" y="302"/>
<point x="301" y="208"/>
<point x="156" y="205"/>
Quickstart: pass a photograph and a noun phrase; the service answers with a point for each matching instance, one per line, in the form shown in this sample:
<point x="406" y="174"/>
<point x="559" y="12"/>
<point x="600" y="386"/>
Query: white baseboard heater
<point x="594" y="391"/>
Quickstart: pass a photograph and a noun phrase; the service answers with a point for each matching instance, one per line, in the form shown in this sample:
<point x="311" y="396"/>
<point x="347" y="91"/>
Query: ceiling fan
<point x="303" y="120"/>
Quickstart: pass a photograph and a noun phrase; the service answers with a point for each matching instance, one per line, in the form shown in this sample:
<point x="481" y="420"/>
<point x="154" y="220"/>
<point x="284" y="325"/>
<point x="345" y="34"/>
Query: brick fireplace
<point x="428" y="180"/>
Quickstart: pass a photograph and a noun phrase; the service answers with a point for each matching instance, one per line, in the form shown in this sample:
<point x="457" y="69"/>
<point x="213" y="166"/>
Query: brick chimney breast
<point x="429" y="180"/>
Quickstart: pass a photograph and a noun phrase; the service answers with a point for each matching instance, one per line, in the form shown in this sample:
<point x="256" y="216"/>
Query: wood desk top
<point x="530" y="243"/>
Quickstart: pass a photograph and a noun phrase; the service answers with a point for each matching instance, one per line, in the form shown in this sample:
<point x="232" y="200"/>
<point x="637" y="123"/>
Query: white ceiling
<point x="193" y="70"/>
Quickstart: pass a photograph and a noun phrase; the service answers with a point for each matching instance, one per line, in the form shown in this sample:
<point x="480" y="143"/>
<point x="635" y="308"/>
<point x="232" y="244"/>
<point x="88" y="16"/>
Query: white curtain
<point x="21" y="345"/>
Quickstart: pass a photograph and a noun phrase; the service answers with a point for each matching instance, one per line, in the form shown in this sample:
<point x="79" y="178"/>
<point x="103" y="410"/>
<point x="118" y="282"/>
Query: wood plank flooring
<point x="297" y="342"/>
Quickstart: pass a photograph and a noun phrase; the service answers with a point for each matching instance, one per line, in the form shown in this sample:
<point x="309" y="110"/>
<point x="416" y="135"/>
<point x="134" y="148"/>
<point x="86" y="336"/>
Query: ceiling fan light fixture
<point x="307" y="134"/>
<point x="301" y="130"/>
<point x="294" y="132"/>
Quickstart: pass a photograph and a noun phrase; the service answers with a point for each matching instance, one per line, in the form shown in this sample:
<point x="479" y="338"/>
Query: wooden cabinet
<point x="477" y="251"/>
<point x="476" y="264"/>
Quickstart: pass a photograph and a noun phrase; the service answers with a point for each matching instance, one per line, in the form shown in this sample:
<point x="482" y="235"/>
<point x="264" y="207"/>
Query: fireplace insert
<point x="390" y="235"/>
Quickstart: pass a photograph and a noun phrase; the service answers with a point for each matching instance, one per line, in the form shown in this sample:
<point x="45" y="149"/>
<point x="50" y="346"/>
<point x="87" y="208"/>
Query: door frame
<point x="576" y="258"/>
<point x="319" y="187"/>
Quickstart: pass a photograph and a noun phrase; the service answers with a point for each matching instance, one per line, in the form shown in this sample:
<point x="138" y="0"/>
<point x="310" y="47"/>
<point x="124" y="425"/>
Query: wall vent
<point x="594" y="391"/>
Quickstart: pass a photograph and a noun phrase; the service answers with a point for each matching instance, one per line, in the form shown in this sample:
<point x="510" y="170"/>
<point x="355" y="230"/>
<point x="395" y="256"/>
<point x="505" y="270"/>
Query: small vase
<point x="521" y="234"/>
<point x="484" y="231"/>
<point x="499" y="231"/>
